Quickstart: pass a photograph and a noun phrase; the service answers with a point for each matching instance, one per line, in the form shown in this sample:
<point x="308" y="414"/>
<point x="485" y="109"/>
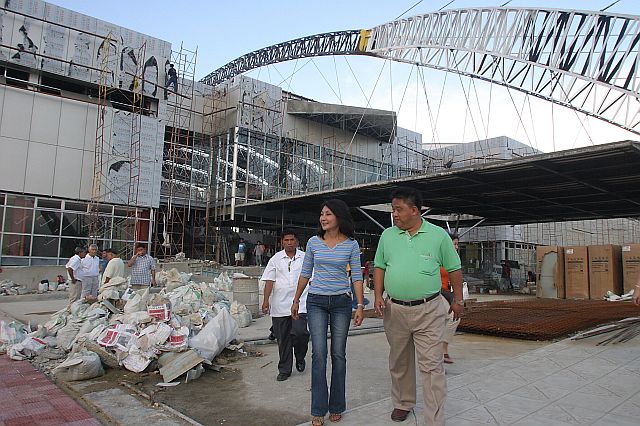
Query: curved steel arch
<point x="334" y="43"/>
<point x="585" y="60"/>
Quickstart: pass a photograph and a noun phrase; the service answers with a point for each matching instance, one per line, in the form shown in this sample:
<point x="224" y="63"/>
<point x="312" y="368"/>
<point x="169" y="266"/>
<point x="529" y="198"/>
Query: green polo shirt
<point x="412" y="264"/>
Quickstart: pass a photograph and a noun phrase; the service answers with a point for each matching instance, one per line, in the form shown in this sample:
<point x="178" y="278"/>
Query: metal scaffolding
<point x="137" y="110"/>
<point x="177" y="184"/>
<point x="107" y="85"/>
<point x="215" y="130"/>
<point x="103" y="130"/>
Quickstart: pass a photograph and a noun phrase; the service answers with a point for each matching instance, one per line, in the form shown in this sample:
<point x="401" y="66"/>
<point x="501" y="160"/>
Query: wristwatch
<point x="459" y="302"/>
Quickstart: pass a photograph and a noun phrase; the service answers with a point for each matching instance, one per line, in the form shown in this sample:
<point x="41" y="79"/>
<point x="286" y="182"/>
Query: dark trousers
<point x="293" y="338"/>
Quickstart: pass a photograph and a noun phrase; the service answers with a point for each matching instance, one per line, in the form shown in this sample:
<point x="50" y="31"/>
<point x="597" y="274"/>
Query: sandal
<point x="317" y="421"/>
<point x="335" y="418"/>
<point x="447" y="359"/>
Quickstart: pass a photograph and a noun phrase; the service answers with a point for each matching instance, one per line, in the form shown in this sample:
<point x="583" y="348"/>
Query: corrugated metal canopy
<point x="601" y="181"/>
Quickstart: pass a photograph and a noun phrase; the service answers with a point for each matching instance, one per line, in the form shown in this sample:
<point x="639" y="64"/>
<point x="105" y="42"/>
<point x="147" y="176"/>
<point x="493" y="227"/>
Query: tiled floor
<point x="565" y="383"/>
<point x="28" y="397"/>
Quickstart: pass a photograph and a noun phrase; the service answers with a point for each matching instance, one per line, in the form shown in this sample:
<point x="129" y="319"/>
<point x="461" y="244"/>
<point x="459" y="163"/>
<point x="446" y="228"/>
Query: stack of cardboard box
<point x="576" y="272"/>
<point x="588" y="272"/>
<point x="630" y="266"/>
<point x="605" y="270"/>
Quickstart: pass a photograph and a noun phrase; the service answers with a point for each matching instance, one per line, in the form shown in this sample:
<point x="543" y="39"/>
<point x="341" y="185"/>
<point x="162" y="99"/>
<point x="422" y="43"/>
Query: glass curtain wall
<point x="45" y="231"/>
<point x="270" y="167"/>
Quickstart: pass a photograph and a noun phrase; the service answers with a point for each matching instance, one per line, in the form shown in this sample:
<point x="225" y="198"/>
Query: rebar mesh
<point x="542" y="319"/>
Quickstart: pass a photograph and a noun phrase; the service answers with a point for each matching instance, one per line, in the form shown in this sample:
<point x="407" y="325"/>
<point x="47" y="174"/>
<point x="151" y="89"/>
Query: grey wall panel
<point x="40" y="168"/>
<point x="13" y="162"/>
<point x="67" y="175"/>
<point x="90" y="128"/>
<point x="45" y="122"/>
<point x="16" y="113"/>
<point x="73" y="118"/>
<point x="86" y="175"/>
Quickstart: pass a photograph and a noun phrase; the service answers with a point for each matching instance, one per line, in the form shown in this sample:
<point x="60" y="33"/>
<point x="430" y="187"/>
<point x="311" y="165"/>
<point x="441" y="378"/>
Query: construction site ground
<point x="493" y="381"/>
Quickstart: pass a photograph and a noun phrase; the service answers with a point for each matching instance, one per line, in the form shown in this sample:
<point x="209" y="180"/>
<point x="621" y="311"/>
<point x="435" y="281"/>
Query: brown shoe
<point x="398" y="415"/>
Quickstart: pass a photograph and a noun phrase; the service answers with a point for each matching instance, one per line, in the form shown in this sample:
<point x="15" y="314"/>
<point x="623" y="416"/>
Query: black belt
<point x="415" y="302"/>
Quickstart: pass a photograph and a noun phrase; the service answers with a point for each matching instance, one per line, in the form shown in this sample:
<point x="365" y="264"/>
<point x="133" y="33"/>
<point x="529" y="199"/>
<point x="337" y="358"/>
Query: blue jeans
<point x="324" y="311"/>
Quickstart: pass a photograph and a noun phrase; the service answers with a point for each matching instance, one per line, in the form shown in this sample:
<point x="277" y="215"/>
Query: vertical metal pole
<point x="234" y="175"/>
<point x="152" y="222"/>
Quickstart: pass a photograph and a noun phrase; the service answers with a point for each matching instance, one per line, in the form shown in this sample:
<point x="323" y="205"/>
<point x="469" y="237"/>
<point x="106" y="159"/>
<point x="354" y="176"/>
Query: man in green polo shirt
<point x="407" y="266"/>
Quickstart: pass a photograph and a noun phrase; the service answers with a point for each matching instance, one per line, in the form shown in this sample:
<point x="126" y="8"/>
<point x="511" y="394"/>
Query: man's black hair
<point x="408" y="195"/>
<point x="288" y="231"/>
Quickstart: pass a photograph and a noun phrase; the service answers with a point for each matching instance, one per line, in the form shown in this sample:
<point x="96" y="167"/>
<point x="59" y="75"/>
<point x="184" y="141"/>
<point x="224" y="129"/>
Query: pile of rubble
<point x="175" y="330"/>
<point x="10" y="288"/>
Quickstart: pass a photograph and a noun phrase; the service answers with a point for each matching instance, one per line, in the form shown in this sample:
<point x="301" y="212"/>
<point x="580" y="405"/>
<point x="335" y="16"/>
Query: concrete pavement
<point x="494" y="380"/>
<point x="565" y="383"/>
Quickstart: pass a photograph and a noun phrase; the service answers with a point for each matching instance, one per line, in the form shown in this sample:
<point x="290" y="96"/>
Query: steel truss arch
<point x="585" y="60"/>
<point x="334" y="43"/>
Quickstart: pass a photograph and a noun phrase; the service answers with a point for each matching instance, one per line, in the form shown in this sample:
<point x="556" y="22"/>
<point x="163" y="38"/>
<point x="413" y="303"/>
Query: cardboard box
<point x="576" y="272"/>
<point x="550" y="276"/>
<point x="605" y="270"/>
<point x="630" y="266"/>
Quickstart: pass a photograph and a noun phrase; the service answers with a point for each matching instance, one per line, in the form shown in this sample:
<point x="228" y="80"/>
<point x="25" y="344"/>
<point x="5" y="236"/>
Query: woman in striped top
<point x="329" y="304"/>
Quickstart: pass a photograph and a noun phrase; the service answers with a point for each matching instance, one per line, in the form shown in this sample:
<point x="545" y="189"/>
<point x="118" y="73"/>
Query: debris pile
<point x="177" y="329"/>
<point x="10" y="288"/>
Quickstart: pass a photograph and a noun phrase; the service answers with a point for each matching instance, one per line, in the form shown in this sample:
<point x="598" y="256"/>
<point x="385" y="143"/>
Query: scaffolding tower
<point x="214" y="129"/>
<point x="101" y="190"/>
<point x="179" y="144"/>
<point x="137" y="111"/>
<point x="103" y="131"/>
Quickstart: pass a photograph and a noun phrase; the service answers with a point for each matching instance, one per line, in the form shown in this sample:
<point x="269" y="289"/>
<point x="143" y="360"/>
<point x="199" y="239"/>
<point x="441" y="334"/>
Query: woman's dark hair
<point x="341" y="211"/>
<point x="409" y="195"/>
<point x="453" y="235"/>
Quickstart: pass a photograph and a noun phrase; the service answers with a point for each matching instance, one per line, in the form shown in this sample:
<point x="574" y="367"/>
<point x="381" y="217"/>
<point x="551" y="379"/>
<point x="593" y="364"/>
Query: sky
<point x="443" y="107"/>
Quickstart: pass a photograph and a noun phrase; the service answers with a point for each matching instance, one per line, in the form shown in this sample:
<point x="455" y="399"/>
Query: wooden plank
<point x="179" y="365"/>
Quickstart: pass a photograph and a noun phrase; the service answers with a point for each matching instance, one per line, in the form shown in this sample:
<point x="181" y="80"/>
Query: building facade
<point x="93" y="148"/>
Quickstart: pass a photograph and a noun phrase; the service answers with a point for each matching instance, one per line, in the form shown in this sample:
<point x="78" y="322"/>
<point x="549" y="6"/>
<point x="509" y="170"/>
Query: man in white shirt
<point x="91" y="273"/>
<point x="115" y="266"/>
<point x="74" y="274"/>
<point x="281" y="280"/>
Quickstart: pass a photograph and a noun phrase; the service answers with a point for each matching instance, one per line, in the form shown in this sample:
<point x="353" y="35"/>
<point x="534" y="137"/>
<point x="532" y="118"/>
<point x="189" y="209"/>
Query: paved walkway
<point x="565" y="383"/>
<point x="28" y="397"/>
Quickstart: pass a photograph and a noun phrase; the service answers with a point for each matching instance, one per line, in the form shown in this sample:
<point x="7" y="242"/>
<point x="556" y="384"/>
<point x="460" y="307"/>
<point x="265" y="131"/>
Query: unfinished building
<point x="95" y="148"/>
<point x="485" y="248"/>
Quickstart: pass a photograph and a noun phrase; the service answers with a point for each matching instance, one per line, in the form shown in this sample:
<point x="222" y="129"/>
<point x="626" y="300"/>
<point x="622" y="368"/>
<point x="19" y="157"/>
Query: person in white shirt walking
<point x="281" y="280"/>
<point x="74" y="274"/>
<point x="115" y="266"/>
<point x="91" y="273"/>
